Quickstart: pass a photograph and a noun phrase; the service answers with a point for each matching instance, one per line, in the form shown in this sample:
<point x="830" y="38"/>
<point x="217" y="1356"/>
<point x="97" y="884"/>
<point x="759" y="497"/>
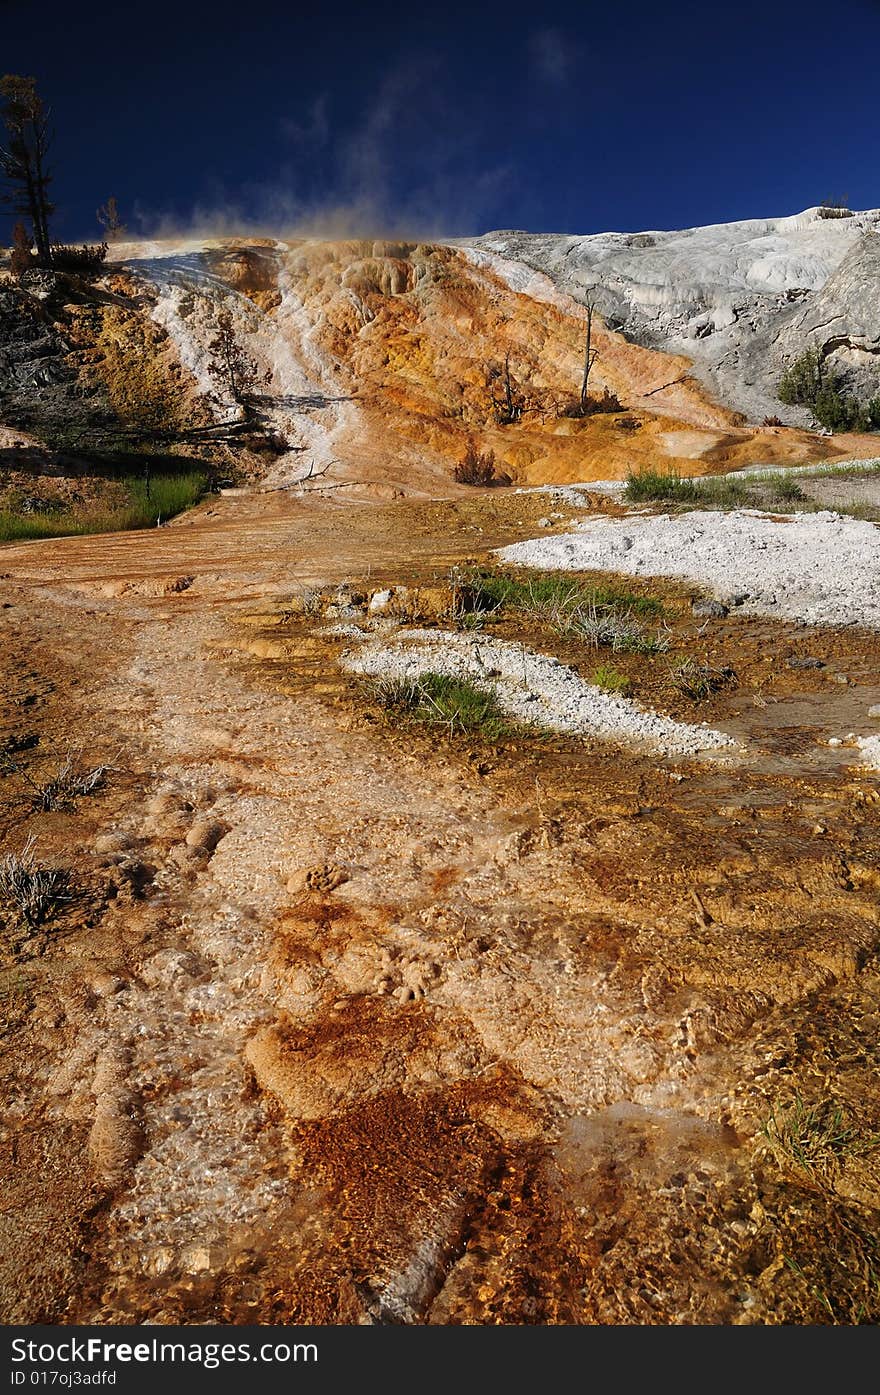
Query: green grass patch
<point x="603" y="615"/>
<point x="436" y="700"/>
<point x="786" y="490"/>
<point x="667" y="487"/>
<point x="868" y="513"/>
<point x="166" y="496"/>
<point x="862" y="469"/>
<point x="658" y="486"/>
<point x="758" y="489"/>
<point x="536" y="593"/>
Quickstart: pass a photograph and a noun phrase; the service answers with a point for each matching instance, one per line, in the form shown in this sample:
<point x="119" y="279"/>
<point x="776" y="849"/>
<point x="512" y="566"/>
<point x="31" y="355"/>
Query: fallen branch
<point x="310" y="474"/>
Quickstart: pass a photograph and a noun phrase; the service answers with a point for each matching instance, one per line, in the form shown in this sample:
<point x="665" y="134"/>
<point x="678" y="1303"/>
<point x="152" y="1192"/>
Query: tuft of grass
<point x="786" y="490"/>
<point x="611" y="679"/>
<point x="146" y="506"/>
<point x="722" y="492"/>
<point x="602" y="615"/>
<point x="859" y="1299"/>
<point x="852" y="469"/>
<point x="34" y="891"/>
<point x="68" y="783"/>
<point x="658" y="486"/>
<point x="608" y="628"/>
<point x="870" y="513"/>
<point x="813" y="1140"/>
<point x="438" y="700"/>
<point x="753" y="488"/>
<point x="699" y="681"/>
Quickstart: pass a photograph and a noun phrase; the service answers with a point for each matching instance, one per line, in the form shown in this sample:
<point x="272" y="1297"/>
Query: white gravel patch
<point x="821" y="568"/>
<point x="533" y="688"/>
<point x="870" y="749"/>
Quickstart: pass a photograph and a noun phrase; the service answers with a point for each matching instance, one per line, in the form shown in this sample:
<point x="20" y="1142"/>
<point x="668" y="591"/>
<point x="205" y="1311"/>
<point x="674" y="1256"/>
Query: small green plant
<point x="699" y="681"/>
<point x="810" y="382"/>
<point x="611" y="679"/>
<point x="813" y="1140"/>
<point x="435" y="699"/>
<point x="603" y="627"/>
<point x="470" y="619"/>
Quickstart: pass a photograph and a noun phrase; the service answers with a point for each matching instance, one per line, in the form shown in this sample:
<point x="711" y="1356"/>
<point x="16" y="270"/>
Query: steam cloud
<point x="404" y="168"/>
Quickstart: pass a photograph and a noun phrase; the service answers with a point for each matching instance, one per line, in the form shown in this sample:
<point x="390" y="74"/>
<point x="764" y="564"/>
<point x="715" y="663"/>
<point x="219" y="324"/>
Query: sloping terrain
<point x="318" y="1005"/>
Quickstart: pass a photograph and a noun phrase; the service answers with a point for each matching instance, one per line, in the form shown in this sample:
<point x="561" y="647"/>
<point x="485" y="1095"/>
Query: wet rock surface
<point x="352" y="1021"/>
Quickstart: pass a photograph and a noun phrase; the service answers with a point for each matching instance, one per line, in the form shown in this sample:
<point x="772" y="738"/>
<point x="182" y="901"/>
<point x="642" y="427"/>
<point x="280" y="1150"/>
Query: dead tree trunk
<point x="590" y="356"/>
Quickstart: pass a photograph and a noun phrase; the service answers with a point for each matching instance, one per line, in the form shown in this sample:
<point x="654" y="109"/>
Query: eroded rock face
<point x="738" y="298"/>
<point x="379" y="364"/>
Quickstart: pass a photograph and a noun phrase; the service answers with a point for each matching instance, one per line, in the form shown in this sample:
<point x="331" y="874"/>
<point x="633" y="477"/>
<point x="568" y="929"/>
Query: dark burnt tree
<point x="23" y="158"/>
<point x="109" y="219"/>
<point x="233" y="369"/>
<point x="22" y="258"/>
<point x="507" y="398"/>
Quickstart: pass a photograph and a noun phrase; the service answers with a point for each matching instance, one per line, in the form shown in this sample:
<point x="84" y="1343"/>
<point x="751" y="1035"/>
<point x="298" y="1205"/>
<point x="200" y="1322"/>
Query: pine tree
<point x="231" y="367"/>
<point x="23" y="158"/>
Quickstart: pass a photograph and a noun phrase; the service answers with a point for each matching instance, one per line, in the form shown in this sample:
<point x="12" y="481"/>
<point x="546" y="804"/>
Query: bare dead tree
<point x="508" y="401"/>
<point x="590" y="354"/>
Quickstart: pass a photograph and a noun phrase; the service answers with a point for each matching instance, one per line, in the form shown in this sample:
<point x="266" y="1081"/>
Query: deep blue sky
<point x="440" y="117"/>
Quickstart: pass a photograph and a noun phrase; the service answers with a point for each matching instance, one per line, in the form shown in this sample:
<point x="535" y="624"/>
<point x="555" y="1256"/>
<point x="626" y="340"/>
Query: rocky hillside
<point x="376" y="364"/>
<point x="741" y="300"/>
